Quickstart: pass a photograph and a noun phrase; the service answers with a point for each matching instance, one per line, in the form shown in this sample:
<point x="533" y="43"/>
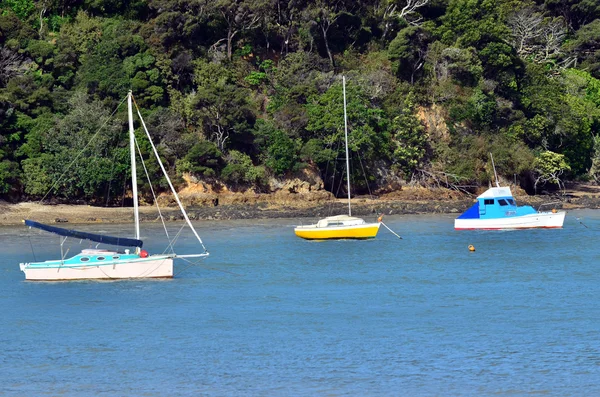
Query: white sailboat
<point x="340" y="226"/>
<point x="112" y="263"/>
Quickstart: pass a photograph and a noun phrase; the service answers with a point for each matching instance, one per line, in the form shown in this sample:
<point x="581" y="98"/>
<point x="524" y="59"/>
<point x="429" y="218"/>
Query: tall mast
<point x="494" y="167"/>
<point x="346" y="138"/>
<point x="133" y="170"/>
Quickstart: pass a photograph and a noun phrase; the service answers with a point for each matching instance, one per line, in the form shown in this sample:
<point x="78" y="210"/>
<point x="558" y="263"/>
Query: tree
<point x="368" y="128"/>
<point x="391" y="11"/>
<point x="221" y="107"/>
<point x="279" y="151"/>
<point x="204" y="159"/>
<point x="80" y="155"/>
<point x="410" y="137"/>
<point x="549" y="168"/>
<point x="408" y="51"/>
<point x="239" y="16"/>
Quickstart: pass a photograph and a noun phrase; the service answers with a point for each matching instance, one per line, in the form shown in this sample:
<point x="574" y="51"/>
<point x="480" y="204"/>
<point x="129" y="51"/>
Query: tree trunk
<point x="329" y="54"/>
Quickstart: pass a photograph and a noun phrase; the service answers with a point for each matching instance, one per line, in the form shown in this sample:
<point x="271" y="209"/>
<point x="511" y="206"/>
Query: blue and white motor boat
<point x="497" y="209"/>
<point x="113" y="264"/>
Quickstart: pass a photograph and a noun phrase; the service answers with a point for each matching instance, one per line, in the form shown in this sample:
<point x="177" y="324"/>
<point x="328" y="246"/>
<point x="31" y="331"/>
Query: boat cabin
<point x="340" y="220"/>
<point x="496" y="202"/>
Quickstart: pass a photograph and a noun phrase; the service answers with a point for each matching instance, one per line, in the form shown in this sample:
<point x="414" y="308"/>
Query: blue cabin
<point x="494" y="203"/>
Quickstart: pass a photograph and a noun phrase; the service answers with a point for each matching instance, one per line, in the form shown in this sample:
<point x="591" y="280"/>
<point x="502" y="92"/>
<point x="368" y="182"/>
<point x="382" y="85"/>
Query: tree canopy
<point x="238" y="91"/>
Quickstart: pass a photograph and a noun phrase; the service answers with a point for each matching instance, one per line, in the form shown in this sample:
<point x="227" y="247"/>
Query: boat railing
<point x="546" y="205"/>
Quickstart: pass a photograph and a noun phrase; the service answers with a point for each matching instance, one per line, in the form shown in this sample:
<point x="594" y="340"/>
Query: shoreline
<point x="14" y="214"/>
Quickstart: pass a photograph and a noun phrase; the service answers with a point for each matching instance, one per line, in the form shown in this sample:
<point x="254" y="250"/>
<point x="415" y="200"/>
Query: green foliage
<point x="585" y="45"/>
<point x="550" y="167"/>
<point x="238" y="89"/>
<point x="256" y="78"/>
<point x="222" y="108"/>
<point x="9" y="176"/>
<point x="411" y="138"/>
<point x="240" y="170"/>
<point x="279" y="151"/>
<point x="73" y="156"/>
<point x="367" y="126"/>
<point x="21" y="8"/>
<point x="406" y="51"/>
<point x="203" y="159"/>
<point x="481" y="109"/>
<point x="468" y="158"/>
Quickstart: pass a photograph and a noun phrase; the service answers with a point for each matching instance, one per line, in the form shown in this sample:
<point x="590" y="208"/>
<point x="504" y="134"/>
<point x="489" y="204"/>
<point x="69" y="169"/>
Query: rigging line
<point x="328" y="161"/>
<point x="331" y="203"/>
<point x="112" y="171"/>
<point x="162" y="167"/>
<point x="31" y="244"/>
<point x="172" y="242"/>
<point x="154" y="195"/>
<point x="82" y="150"/>
<point x="364" y="174"/>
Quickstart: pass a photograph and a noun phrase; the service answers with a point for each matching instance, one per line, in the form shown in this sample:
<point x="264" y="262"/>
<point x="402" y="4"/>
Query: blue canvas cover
<point x="99" y="238"/>
<point x="471" y="213"/>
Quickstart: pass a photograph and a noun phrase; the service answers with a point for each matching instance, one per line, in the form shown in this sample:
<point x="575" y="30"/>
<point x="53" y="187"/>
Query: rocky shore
<point x="247" y="205"/>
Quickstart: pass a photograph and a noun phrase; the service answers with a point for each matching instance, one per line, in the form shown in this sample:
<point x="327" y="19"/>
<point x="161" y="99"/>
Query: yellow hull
<point x="338" y="232"/>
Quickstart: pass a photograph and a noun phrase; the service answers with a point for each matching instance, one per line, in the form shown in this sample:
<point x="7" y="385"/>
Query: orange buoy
<point x="143" y="254"/>
<point x="471" y="248"/>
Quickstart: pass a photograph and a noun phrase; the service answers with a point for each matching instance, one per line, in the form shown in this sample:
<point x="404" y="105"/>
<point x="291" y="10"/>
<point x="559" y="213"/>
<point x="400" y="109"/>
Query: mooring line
<point x="393" y="232"/>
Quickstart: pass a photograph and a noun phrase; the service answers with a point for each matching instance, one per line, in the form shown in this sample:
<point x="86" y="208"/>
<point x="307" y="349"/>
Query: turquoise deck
<point x="82" y="259"/>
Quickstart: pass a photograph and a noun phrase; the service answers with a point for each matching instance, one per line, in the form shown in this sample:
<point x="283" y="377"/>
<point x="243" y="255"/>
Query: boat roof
<point x="342" y="218"/>
<point x="495" y="192"/>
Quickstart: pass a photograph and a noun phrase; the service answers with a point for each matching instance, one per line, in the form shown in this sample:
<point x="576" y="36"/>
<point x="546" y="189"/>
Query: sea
<point x="269" y="314"/>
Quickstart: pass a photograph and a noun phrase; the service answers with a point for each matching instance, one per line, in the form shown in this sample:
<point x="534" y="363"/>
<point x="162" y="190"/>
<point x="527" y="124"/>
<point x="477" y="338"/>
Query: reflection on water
<point x="271" y="314"/>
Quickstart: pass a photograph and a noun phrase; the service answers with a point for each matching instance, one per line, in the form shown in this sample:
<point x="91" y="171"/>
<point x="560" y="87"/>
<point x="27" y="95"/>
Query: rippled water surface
<point x="270" y="314"/>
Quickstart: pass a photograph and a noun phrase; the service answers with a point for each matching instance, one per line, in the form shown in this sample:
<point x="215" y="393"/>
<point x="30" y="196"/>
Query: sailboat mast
<point x="494" y="167"/>
<point x="133" y="170"/>
<point x="346" y="139"/>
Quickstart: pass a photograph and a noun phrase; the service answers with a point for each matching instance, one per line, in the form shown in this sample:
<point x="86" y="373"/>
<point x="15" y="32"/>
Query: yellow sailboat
<point x="340" y="226"/>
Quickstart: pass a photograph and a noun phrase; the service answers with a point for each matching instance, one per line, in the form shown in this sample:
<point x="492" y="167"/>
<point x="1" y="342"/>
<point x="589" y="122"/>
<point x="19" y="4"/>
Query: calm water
<point x="272" y="315"/>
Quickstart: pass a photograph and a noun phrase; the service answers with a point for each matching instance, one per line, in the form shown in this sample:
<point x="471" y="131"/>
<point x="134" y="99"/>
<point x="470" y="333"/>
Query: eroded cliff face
<point x="306" y="187"/>
<point x="434" y="119"/>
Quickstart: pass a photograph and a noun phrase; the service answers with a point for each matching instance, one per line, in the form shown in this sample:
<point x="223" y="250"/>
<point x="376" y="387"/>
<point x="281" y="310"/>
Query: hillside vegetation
<point x="242" y="92"/>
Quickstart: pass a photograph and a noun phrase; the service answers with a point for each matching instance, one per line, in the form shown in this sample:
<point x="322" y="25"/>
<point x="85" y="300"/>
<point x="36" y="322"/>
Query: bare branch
<point x="526" y="28"/>
<point x="411" y="6"/>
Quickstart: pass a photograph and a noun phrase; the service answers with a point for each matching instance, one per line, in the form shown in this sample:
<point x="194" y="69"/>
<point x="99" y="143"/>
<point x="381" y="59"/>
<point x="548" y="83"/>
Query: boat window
<point x="100" y="258"/>
<point x="84" y="259"/>
<point x="511" y="201"/>
<point x="502" y="202"/>
<point x="115" y="257"/>
<point x="488" y="201"/>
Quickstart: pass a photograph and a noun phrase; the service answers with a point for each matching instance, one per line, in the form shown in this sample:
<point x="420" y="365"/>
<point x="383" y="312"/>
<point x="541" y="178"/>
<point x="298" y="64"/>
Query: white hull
<point x="550" y="220"/>
<point x="142" y="268"/>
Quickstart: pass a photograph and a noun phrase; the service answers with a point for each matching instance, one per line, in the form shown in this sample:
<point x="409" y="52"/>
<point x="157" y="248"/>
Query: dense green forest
<point x="241" y="91"/>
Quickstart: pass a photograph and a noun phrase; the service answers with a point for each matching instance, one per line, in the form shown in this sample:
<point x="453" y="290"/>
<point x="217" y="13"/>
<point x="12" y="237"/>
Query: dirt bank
<point x="257" y="206"/>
